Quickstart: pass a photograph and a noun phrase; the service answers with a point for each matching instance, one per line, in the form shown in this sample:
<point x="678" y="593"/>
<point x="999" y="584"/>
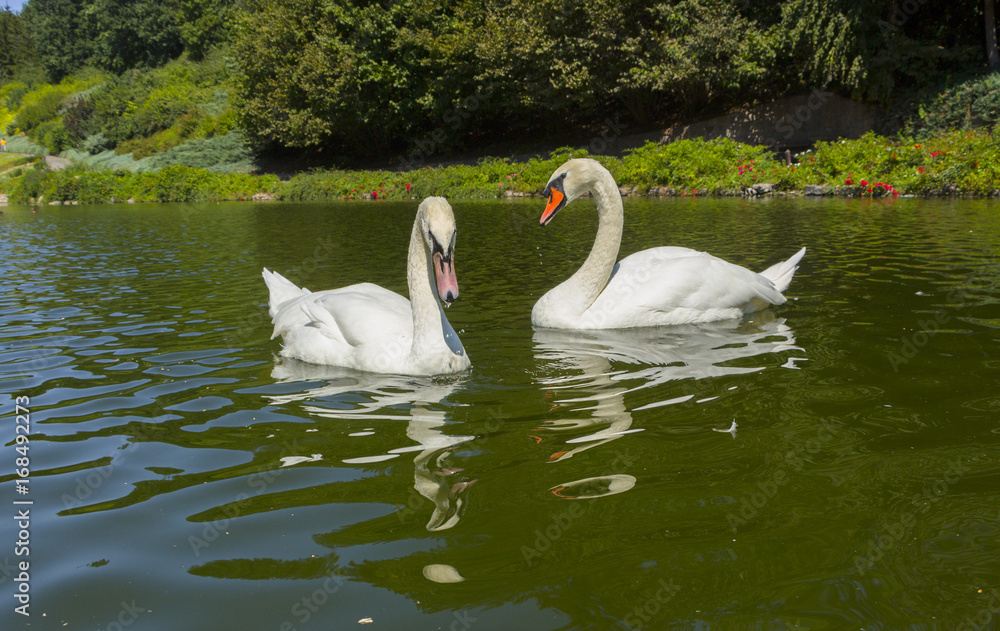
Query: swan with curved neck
<point x="369" y="328"/>
<point x="655" y="287"/>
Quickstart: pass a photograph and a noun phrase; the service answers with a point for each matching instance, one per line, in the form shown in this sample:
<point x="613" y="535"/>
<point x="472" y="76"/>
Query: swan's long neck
<point x="427" y="312"/>
<point x="583" y="287"/>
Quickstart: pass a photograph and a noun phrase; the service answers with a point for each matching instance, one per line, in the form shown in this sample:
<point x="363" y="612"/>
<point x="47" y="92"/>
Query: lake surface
<point x="182" y="476"/>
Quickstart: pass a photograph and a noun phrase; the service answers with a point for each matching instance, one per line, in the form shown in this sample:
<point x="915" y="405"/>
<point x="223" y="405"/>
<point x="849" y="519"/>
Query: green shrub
<point x="31" y="184"/>
<point x="39" y="106"/>
<point x="23" y="144"/>
<point x="971" y="104"/>
<point x="96" y="143"/>
<point x="228" y="152"/>
<point x="53" y="135"/>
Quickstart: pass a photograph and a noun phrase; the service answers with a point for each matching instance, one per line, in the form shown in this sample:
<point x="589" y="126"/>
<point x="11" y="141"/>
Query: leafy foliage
<point x="17" y="50"/>
<point x="971" y="104"/>
<point x="172" y="184"/>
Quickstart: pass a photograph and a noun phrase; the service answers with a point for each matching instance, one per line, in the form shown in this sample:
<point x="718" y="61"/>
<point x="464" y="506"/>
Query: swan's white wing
<point x="670" y="285"/>
<point x="366" y="313"/>
<point x="361" y="326"/>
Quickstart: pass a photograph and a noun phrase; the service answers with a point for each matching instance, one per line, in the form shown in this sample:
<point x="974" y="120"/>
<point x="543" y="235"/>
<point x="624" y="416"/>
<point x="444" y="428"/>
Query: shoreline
<point x="954" y="164"/>
<point x="841" y="192"/>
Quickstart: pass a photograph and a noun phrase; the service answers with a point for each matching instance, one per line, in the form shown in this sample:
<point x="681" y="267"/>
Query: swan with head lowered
<point x="369" y="328"/>
<point x="655" y="287"/>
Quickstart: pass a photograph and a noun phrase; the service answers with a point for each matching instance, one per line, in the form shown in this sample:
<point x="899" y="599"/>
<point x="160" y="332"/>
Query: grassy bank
<point x="952" y="163"/>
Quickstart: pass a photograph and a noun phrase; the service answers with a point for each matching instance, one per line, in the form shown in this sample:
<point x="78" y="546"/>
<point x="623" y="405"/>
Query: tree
<point x="114" y="35"/>
<point x="315" y="73"/>
<point x="17" y="51"/>
<point x="57" y="27"/>
<point x="130" y="34"/>
<point x="203" y="24"/>
<point x="990" y="21"/>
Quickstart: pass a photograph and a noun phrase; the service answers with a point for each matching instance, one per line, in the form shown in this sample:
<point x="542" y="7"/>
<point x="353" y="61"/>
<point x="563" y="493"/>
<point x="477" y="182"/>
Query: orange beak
<point x="557" y="199"/>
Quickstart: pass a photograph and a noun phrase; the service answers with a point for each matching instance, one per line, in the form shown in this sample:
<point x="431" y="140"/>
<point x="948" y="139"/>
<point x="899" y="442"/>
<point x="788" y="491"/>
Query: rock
<point x="3" y="199"/>
<point x="130" y="200"/>
<point x="625" y="191"/>
<point x="76" y="202"/>
<point x="40" y="199"/>
<point x="55" y="203"/>
<point x="261" y="197"/>
<point x="813" y="189"/>
<point x="662" y="191"/>
<point x="761" y="189"/>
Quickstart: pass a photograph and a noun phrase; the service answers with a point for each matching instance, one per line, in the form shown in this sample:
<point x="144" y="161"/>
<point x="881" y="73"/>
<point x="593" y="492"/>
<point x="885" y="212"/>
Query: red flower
<point x="895" y="193"/>
<point x="864" y="182"/>
<point x="407" y="187"/>
<point x="374" y="194"/>
<point x="916" y="146"/>
<point x="847" y="181"/>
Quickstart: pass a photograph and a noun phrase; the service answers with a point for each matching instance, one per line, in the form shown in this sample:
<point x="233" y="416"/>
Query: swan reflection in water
<point x="596" y="369"/>
<point x="391" y="397"/>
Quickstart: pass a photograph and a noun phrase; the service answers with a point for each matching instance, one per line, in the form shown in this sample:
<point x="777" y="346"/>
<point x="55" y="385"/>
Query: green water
<point x="184" y="477"/>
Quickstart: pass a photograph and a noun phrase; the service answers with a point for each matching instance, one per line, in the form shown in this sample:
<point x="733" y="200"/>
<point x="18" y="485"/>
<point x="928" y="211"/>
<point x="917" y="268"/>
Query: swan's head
<point x="571" y="180"/>
<point x="438" y="229"/>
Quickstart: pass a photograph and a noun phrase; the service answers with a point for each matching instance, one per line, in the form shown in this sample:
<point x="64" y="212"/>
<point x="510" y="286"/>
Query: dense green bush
<point x="39" y="106"/>
<point x="971" y="104"/>
<point x="172" y="184"/>
<point x="226" y="153"/>
<point x="23" y="144"/>
<point x="30" y="185"/>
<point x="52" y="134"/>
<point x="716" y="165"/>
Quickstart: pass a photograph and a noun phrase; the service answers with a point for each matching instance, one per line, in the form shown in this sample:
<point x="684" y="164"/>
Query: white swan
<point x="367" y="327"/>
<point x="659" y="286"/>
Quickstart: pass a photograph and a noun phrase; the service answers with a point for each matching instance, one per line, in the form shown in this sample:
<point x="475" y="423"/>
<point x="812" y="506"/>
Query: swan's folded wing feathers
<point x="663" y="279"/>
<point x="321" y="319"/>
<point x="367" y="312"/>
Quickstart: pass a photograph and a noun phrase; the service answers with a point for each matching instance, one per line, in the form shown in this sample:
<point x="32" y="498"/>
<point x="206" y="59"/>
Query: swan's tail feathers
<point x="281" y="290"/>
<point x="781" y="273"/>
